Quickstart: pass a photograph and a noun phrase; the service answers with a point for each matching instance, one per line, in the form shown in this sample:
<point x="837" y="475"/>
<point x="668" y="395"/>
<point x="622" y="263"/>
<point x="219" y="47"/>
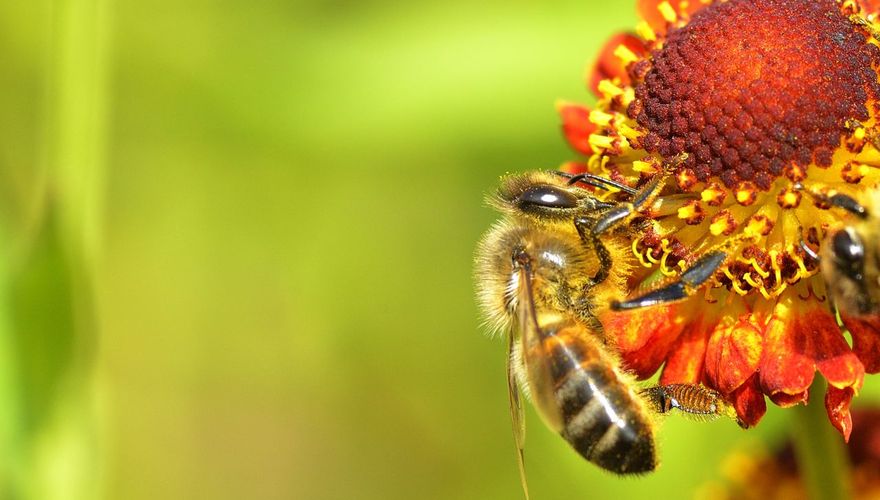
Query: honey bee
<point x="545" y="272"/>
<point x="850" y="258"/>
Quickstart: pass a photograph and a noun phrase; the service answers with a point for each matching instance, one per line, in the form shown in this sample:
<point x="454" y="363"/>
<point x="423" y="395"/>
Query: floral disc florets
<point x="757" y="113"/>
<point x="749" y="88"/>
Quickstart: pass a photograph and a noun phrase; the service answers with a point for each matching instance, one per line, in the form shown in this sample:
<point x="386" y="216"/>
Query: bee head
<point x="852" y="272"/>
<point x="543" y="197"/>
<point x="848" y="253"/>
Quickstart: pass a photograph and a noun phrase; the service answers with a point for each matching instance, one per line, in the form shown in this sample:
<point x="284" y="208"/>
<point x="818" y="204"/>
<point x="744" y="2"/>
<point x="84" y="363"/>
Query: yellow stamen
<point x="757" y="267"/>
<point x="601" y="118"/>
<point x="644" y="167"/>
<point x="667" y="12"/>
<point x="629" y="95"/>
<point x="650" y="255"/>
<point x="639" y="255"/>
<point x="860" y="133"/>
<point x="687" y="211"/>
<point x="609" y="89"/>
<point x="625" y="55"/>
<point x="757" y="226"/>
<point x="628" y="132"/>
<point x="601" y="141"/>
<point x="802" y="268"/>
<point x="774" y="254"/>
<point x="644" y="30"/>
<point x="751" y="281"/>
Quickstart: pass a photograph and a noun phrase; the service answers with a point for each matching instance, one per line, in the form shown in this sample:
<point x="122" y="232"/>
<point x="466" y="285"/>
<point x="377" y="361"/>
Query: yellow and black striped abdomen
<point x="595" y="410"/>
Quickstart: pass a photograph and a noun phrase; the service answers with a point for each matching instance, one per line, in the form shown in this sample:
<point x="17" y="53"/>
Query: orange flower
<point x="765" y="110"/>
<point x="759" y="474"/>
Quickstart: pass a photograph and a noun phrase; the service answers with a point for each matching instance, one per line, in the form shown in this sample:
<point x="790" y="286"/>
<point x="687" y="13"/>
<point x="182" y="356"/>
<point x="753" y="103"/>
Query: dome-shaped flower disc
<point x="758" y="112"/>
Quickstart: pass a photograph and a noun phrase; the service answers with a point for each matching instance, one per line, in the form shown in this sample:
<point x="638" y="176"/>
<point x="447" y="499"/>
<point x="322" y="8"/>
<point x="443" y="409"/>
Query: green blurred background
<point x="237" y="241"/>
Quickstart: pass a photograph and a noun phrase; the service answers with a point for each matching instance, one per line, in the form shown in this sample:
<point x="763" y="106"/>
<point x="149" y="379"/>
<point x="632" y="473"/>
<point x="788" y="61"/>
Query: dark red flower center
<point x="749" y="87"/>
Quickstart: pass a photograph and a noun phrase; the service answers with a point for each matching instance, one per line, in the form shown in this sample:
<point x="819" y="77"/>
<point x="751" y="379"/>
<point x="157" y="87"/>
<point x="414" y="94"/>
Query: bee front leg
<point x="690" y="281"/>
<point x="586" y="228"/>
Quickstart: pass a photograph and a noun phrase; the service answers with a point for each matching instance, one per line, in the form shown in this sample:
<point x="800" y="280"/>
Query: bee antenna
<point x="596" y="181"/>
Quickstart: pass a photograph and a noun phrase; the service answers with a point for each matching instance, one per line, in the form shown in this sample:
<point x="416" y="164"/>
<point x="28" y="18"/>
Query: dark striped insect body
<point x="850" y="257"/>
<point x="544" y="274"/>
<point x="580" y="393"/>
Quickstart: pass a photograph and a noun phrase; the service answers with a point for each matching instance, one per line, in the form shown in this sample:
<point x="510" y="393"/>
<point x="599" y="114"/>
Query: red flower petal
<point x="576" y="126"/>
<point x="685" y="364"/>
<point x="748" y="400"/>
<point x="869" y="6"/>
<point x="866" y="340"/>
<point x="784" y="400"/>
<point x="733" y="354"/>
<point x="793" y="351"/>
<point x="837" y="403"/>
<point x="644" y="336"/>
<point x="572" y="167"/>
<point x="609" y="66"/>
<point x="787" y="364"/>
<point x="840" y="366"/>
<point x="648" y="10"/>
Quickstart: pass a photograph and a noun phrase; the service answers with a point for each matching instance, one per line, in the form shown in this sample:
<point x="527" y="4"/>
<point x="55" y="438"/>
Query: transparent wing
<point x="517" y="415"/>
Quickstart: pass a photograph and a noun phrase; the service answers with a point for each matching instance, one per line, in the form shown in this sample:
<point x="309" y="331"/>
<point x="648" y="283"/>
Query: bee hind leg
<point x="685" y="286"/>
<point x="692" y="400"/>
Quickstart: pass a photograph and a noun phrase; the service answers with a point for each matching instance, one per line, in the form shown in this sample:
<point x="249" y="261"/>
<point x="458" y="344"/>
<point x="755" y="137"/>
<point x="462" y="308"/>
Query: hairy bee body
<point x="561" y="357"/>
<point x="545" y="274"/>
<point x="601" y="417"/>
<point x="850" y="259"/>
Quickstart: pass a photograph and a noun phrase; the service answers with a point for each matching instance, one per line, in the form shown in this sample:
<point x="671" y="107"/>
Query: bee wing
<point x="536" y="360"/>
<point x="517" y="415"/>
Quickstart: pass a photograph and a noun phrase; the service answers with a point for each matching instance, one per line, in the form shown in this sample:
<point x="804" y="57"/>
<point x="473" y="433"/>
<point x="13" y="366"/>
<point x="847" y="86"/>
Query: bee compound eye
<point x="848" y="247"/>
<point x="547" y="197"/>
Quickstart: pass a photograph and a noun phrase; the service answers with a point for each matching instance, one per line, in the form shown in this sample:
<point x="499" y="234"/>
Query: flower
<point x="765" y="474"/>
<point x="767" y="108"/>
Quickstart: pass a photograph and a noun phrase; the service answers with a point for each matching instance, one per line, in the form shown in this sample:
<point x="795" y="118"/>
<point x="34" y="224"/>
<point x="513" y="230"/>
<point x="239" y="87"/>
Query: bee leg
<point x="590" y="228"/>
<point x="690" y="281"/>
<point x="693" y="400"/>
<point x="809" y="251"/>
<point x="586" y="228"/>
<point x="642" y="198"/>
<point x="839" y="200"/>
<point x="849" y="204"/>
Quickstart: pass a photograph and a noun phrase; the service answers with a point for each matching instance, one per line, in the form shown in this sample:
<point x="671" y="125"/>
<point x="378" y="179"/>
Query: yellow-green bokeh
<point x="291" y="195"/>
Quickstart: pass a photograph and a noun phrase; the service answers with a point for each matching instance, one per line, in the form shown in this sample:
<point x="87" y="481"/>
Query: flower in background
<point x="771" y="108"/>
<point x="761" y="475"/>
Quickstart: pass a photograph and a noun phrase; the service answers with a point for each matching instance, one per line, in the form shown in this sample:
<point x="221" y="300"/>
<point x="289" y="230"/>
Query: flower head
<point x="775" y="474"/>
<point x="770" y="107"/>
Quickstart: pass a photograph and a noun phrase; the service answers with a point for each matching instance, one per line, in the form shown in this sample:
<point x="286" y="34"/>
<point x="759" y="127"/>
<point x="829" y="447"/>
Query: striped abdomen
<point x="579" y="393"/>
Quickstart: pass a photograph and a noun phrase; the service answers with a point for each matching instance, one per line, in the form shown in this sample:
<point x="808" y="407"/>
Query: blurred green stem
<point x="59" y="446"/>
<point x="819" y="449"/>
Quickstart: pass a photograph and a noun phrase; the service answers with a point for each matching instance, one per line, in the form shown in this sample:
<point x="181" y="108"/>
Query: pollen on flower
<point x="748" y="88"/>
<point x="755" y="115"/>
